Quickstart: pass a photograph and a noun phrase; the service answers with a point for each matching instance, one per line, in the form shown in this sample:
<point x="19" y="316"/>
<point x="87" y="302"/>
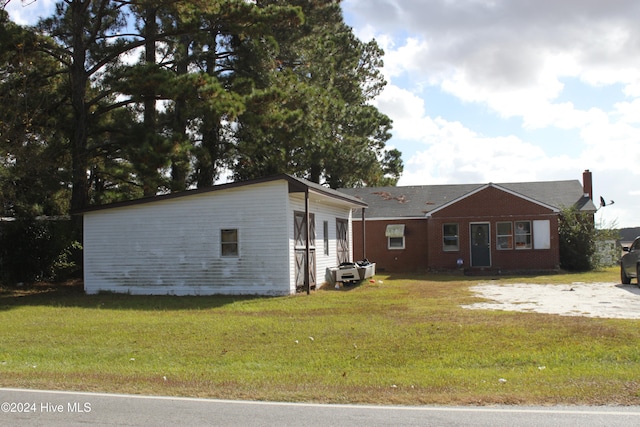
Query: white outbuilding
<point x="250" y="238"/>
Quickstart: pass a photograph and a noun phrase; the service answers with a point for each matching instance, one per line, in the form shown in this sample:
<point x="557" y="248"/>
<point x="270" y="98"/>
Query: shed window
<point x="395" y="236"/>
<point x="325" y="229"/>
<point x="523" y="234"/>
<point x="504" y="235"/>
<point x="229" y="242"/>
<point x="450" y="237"/>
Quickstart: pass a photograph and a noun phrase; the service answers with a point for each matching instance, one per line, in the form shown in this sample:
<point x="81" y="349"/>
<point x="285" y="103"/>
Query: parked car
<point x="630" y="263"/>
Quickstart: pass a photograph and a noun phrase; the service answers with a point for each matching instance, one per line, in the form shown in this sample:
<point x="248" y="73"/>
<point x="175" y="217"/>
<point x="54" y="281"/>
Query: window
<point x="229" y="242"/>
<point x="325" y="227"/>
<point x="523" y="235"/>
<point x="396" y="243"/>
<point x="395" y="236"/>
<point x="504" y="235"/>
<point x="541" y="234"/>
<point x="450" y="238"/>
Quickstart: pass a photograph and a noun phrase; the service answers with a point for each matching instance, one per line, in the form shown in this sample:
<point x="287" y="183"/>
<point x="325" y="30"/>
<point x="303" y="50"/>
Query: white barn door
<point x="300" y="239"/>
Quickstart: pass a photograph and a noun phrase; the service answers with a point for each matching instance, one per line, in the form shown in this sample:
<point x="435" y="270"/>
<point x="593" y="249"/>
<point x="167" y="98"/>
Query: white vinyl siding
<point x="173" y="246"/>
<point x="325" y="211"/>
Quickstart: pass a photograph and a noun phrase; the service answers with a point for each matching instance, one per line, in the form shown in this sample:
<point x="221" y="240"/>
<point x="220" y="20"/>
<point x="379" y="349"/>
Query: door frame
<point x="343" y="252"/>
<point x="305" y="267"/>
<point x="471" y="241"/>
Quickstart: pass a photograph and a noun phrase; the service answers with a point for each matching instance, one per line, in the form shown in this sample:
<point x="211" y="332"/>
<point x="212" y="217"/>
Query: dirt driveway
<point x="606" y="300"/>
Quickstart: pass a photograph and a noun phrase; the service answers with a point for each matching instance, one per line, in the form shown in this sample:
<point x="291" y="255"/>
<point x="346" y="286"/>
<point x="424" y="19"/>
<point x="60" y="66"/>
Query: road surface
<point x="56" y="409"/>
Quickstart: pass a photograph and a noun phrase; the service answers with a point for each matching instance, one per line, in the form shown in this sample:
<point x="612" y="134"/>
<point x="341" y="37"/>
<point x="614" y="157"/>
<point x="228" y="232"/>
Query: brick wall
<point x="412" y="258"/>
<point x="424" y="237"/>
<point x="491" y="206"/>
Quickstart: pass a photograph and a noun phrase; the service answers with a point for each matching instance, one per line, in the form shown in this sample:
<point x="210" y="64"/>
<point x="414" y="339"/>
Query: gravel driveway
<point x="607" y="300"/>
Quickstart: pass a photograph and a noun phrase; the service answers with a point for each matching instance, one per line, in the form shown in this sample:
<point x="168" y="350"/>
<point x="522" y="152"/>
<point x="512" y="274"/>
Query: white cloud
<point x="27" y="12"/>
<point x="501" y="52"/>
<point x="513" y="59"/>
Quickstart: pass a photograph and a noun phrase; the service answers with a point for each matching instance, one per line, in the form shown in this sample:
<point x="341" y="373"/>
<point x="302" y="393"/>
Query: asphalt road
<point x="57" y="409"/>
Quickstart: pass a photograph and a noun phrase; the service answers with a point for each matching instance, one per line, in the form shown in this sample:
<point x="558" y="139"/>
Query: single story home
<point x="251" y="237"/>
<point x="476" y="227"/>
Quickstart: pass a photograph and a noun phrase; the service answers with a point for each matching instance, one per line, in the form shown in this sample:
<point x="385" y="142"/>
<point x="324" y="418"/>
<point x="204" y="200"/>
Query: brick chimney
<point x="587" y="183"/>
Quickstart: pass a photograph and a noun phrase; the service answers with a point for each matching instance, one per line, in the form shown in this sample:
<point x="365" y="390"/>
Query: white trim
<point x="395" y="248"/>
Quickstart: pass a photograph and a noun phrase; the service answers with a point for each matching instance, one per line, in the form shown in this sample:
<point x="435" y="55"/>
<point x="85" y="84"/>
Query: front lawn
<point x="396" y="340"/>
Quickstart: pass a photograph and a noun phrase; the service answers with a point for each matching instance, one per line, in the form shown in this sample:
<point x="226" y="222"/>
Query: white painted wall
<point x="173" y="246"/>
<point x="324" y="210"/>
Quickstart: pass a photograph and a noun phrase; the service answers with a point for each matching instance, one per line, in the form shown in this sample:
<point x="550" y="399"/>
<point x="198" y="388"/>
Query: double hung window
<point x="450" y="238"/>
<point x="523" y="234"/>
<point x="229" y="242"/>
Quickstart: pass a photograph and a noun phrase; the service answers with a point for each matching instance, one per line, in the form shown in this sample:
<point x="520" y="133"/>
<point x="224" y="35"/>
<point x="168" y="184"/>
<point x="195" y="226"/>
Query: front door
<point x="480" y="245"/>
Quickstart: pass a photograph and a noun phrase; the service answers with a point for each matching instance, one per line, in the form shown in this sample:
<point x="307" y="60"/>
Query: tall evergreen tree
<point x="86" y="40"/>
<point x="251" y="86"/>
<point x="313" y="118"/>
<point x="34" y="162"/>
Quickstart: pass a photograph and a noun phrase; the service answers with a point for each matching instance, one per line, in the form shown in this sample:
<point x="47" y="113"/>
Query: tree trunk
<point x="149" y="184"/>
<point x="78" y="81"/>
<point x="179" y="158"/>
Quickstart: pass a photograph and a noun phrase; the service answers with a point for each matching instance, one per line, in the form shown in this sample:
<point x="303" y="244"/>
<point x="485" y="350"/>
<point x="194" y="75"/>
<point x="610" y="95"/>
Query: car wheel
<point x="623" y="276"/>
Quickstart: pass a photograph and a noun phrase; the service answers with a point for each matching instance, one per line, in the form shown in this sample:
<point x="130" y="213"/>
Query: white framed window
<point x="229" y="242"/>
<point x="504" y="235"/>
<point x="395" y="236"/>
<point x="450" y="238"/>
<point x="523" y="234"/>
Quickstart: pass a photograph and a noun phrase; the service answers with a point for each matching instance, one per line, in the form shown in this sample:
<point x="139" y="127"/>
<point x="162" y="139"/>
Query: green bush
<point x="577" y="240"/>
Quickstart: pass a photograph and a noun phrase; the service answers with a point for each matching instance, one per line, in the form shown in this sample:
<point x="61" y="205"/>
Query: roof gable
<point x="496" y="186"/>
<point x="422" y="201"/>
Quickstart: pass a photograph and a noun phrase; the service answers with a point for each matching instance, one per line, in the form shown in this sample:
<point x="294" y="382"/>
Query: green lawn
<point x="398" y="340"/>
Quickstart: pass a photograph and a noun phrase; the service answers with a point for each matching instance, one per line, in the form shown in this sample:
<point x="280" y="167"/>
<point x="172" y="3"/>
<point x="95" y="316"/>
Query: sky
<point x="503" y="91"/>
<point x="513" y="90"/>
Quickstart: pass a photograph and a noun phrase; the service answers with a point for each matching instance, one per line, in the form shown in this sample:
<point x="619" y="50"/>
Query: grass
<point x="398" y="340"/>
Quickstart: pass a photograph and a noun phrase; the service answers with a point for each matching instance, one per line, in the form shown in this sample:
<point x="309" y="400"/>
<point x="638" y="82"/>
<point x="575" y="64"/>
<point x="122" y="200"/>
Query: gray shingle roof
<point x="418" y="201"/>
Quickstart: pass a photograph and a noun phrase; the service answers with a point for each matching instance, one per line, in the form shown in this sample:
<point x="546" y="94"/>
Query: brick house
<point x="478" y="227"/>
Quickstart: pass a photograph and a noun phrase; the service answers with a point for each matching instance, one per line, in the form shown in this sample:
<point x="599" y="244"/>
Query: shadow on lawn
<point x="71" y="294"/>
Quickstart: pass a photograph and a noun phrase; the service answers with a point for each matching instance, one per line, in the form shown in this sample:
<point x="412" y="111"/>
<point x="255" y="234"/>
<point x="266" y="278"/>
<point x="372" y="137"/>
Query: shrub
<point x="577" y="240"/>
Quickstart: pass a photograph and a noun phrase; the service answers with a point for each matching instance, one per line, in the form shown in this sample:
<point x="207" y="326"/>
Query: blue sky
<point x="505" y="90"/>
<point x="513" y="90"/>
